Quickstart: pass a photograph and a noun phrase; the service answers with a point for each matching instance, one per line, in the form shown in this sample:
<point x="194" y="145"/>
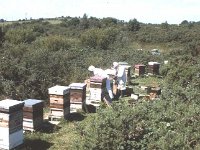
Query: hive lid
<point x="59" y="90"/>
<point x="30" y="102"/>
<point x="97" y="78"/>
<point x="7" y="103"/>
<point x="153" y="63"/>
<point x="77" y="85"/>
<point x="138" y="65"/>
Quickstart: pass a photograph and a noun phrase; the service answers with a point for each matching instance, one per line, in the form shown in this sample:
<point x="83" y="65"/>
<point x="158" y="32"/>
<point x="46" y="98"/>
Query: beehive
<point x="77" y="96"/>
<point x="59" y="97"/>
<point x="77" y="92"/>
<point x="153" y="68"/>
<point x="32" y="114"/>
<point x="97" y="86"/>
<point x="139" y="69"/>
<point x="11" y="123"/>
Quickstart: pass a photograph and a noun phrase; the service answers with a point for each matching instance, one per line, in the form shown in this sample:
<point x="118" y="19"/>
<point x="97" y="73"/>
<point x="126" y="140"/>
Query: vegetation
<point x="38" y="54"/>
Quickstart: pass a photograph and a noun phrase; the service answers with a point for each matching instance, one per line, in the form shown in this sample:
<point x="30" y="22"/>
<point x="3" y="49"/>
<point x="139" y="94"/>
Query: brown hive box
<point x="97" y="79"/>
<point x="139" y="69"/>
<point x="77" y="92"/>
<point x="59" y="97"/>
<point x="153" y="68"/>
<point x="32" y="113"/>
<point x="59" y="101"/>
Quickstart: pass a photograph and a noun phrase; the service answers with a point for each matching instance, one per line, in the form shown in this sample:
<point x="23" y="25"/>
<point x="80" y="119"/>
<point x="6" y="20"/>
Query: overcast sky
<point x="146" y="11"/>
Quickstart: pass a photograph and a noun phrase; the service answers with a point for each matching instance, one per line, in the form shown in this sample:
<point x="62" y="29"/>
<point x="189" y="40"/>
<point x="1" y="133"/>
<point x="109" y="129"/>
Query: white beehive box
<point x="11" y="129"/>
<point x="10" y="141"/>
<point x="59" y="90"/>
<point x="77" y="85"/>
<point x="95" y="94"/>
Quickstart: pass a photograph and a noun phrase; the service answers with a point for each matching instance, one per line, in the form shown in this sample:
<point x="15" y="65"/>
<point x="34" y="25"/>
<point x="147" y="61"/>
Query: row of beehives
<point x="16" y="116"/>
<point x="65" y="99"/>
<point x="28" y="115"/>
<point x="139" y="69"/>
<point x="152" y="68"/>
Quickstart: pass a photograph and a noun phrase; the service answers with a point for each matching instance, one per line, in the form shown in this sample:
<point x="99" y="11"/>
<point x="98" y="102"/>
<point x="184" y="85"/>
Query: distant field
<point x="52" y="21"/>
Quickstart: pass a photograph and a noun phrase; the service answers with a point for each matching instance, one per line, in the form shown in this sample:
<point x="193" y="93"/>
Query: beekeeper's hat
<point x="115" y="64"/>
<point x="91" y="68"/>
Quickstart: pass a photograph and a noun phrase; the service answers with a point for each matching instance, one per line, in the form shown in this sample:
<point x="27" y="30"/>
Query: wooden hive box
<point x="58" y="113"/>
<point x="32" y="114"/>
<point x="153" y="68"/>
<point x="77" y="92"/>
<point x="97" y="85"/>
<point x="11" y="123"/>
<point x="139" y="69"/>
<point x="59" y="97"/>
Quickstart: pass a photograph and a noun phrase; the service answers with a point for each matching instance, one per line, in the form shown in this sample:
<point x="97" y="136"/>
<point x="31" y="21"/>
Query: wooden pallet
<point x="54" y="118"/>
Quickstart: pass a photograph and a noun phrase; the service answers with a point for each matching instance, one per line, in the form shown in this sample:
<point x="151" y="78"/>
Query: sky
<point x="145" y="11"/>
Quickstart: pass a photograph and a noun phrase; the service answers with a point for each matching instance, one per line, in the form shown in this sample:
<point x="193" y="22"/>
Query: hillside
<point x="39" y="54"/>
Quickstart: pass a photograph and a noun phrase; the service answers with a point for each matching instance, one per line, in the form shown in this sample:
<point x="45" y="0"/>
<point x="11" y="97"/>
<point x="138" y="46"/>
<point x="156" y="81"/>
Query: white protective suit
<point x="121" y="77"/>
<point x="102" y="73"/>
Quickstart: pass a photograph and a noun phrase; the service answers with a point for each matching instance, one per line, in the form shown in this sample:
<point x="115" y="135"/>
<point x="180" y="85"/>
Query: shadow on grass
<point x="133" y="83"/>
<point x="75" y="116"/>
<point x="48" y="127"/>
<point x="35" y="144"/>
<point x="90" y="108"/>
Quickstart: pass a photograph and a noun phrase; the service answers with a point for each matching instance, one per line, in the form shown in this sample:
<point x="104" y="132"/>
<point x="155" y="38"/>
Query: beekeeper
<point x="121" y="78"/>
<point x="102" y="73"/>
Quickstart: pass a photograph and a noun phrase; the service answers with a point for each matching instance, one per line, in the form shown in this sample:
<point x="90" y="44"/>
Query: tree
<point x="84" y="23"/>
<point x="165" y="25"/>
<point x="134" y="25"/>
<point x="109" y="21"/>
<point x="1" y="36"/>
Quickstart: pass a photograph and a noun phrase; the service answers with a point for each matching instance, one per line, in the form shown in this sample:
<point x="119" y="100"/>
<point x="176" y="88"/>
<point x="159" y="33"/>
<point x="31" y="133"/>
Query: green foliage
<point x="158" y="125"/>
<point x="54" y="43"/>
<point x="99" y="38"/>
<point x="20" y="35"/>
<point x="1" y="36"/>
<point x="133" y="25"/>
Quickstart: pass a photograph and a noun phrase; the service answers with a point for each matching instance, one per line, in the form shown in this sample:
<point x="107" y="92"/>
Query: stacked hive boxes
<point x="32" y="114"/>
<point x="153" y="68"/>
<point x="97" y="87"/>
<point x="11" y="123"/>
<point x="128" y="70"/>
<point x="139" y="69"/>
<point x="77" y="96"/>
<point x="59" y="97"/>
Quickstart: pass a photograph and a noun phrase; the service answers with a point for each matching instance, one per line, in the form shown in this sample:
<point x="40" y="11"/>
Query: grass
<point x="59" y="137"/>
